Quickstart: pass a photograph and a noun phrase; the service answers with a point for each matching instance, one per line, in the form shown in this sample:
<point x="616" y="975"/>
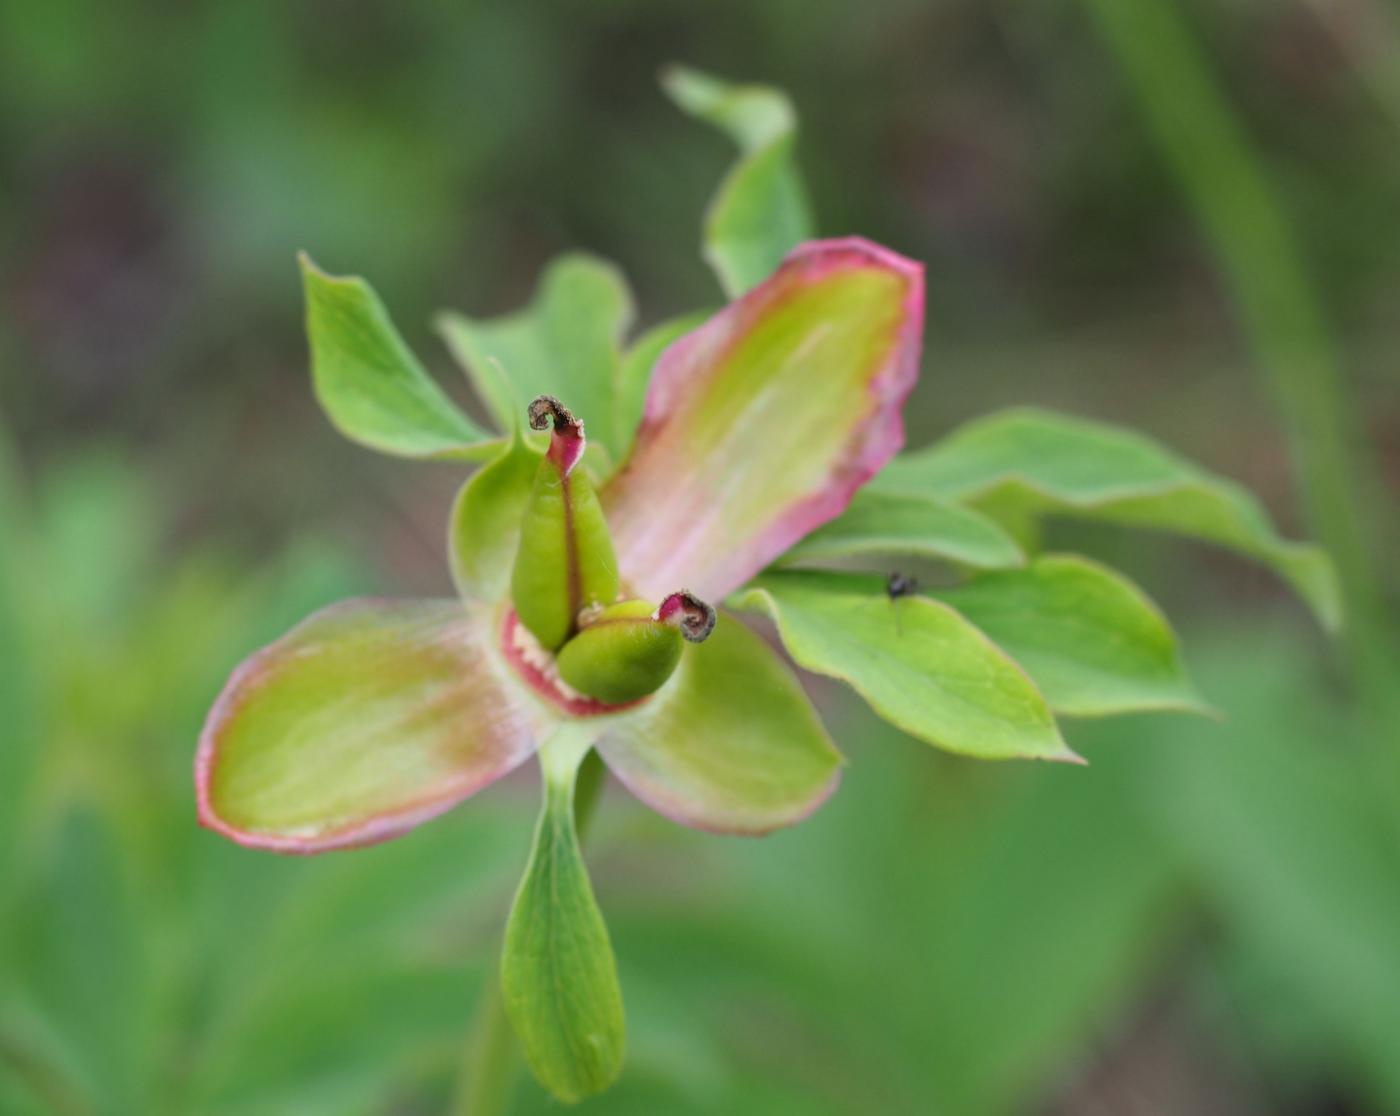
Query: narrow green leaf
<point x="558" y="975"/>
<point x="567" y="342"/>
<point x="1032" y="462"/>
<point x="898" y="523"/>
<point x="1092" y="640"/>
<point x="369" y="383"/>
<point x="484" y="529"/>
<point x="918" y="662"/>
<point x="760" y="212"/>
<point x="731" y="744"/>
<point x="19" y="682"/>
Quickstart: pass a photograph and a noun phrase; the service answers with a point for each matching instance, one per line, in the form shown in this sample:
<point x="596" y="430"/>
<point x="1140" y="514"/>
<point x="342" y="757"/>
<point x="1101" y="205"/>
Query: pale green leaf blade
<point x="368" y="381"/>
<point x="484" y="528"/>
<point x="1038" y="462"/>
<point x="918" y="662"/>
<point x="1091" y="639"/>
<point x="760" y="212"/>
<point x="567" y="343"/>
<point x="365" y="720"/>
<point x="922" y="526"/>
<point x="761" y="424"/>
<point x="558" y="975"/>
<point x="731" y="744"/>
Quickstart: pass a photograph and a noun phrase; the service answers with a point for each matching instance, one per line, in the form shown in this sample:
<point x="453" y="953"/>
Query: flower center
<point x="569" y="634"/>
<point x="540" y="670"/>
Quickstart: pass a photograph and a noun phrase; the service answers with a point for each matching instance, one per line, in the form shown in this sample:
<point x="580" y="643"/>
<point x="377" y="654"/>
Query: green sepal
<point x="369" y="383"/>
<point x="558" y="976"/>
<point x="622" y="655"/>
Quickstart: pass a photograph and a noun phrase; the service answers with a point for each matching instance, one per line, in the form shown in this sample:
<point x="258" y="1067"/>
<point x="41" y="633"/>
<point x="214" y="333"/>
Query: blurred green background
<point x="1176" y="215"/>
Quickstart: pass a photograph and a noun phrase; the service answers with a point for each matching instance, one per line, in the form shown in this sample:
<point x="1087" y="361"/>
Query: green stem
<point x="1207" y="149"/>
<point x="487" y="1080"/>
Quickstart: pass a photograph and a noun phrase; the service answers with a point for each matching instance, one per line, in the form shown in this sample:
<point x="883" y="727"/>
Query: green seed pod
<point x="629" y="650"/>
<point x="565" y="562"/>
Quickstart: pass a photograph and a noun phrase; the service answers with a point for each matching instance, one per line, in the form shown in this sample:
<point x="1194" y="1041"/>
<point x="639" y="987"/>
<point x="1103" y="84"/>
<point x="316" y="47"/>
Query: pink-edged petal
<point x="365" y="720"/>
<point x="761" y="424"/>
<point x="730" y="744"/>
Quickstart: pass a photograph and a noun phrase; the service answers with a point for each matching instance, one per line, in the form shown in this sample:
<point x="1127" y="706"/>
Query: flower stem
<point x="487" y="1080"/>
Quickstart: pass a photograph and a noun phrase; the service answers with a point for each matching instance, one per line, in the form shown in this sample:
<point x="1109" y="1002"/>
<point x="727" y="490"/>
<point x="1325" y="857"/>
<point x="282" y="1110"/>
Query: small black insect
<point x="901" y="586"/>
<point x="898" y="586"/>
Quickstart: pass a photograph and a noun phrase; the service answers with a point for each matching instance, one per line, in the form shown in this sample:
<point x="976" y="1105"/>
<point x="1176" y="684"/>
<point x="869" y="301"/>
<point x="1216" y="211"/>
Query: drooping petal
<point x="730" y="744"/>
<point x="365" y="720"/>
<point x="761" y="424"/>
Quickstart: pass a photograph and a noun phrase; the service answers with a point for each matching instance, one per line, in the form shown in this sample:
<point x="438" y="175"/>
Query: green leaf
<point x="924" y="526"/>
<point x="760" y="212"/>
<point x="567" y="342"/>
<point x="364" y="721"/>
<point x="558" y="976"/>
<point x="369" y="383"/>
<point x="1034" y="462"/>
<point x="919" y="664"/>
<point x="731" y="744"/>
<point x="1092" y="640"/>
<point x="484" y="528"/>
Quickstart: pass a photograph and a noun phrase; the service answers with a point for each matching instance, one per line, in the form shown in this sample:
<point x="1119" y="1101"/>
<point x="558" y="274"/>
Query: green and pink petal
<point x="760" y="425"/>
<point x="365" y="720"/>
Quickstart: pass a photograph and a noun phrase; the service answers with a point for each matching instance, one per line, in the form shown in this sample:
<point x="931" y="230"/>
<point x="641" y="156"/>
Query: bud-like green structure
<point x="566" y="562"/>
<point x="629" y="650"/>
